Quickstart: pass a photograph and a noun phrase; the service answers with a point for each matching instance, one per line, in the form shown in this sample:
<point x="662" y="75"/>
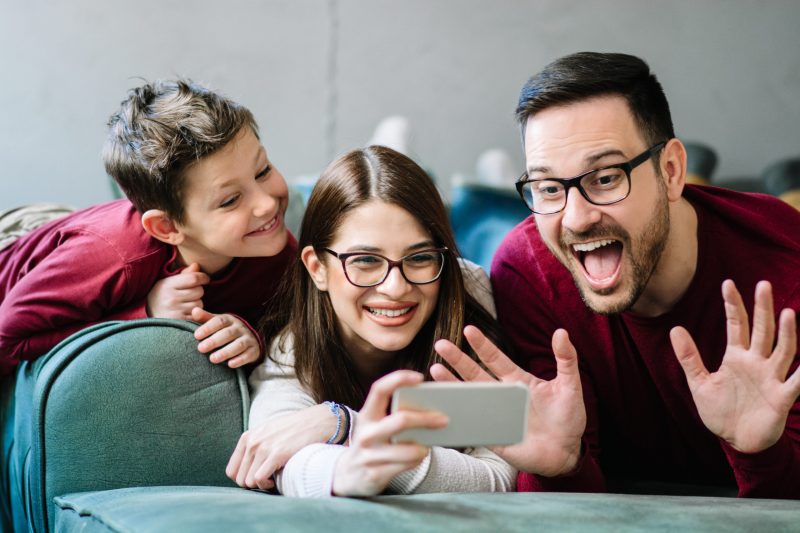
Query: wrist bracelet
<point x="336" y="410"/>
<point x="346" y="432"/>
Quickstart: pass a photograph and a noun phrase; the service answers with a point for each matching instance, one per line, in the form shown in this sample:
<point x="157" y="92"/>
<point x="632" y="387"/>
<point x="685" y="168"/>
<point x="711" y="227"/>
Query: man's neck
<point x="676" y="268"/>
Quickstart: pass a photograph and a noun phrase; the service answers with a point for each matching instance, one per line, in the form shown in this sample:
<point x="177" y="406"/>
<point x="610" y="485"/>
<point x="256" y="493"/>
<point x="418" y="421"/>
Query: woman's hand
<point x="263" y="450"/>
<point x="371" y="461"/>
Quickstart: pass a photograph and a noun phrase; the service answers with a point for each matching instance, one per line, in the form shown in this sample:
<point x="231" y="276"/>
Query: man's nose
<point x="579" y="213"/>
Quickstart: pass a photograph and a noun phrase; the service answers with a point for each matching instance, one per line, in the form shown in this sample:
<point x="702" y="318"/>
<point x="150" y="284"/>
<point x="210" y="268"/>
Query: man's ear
<point x="316" y="268"/>
<point x="673" y="168"/>
<point x="158" y="225"/>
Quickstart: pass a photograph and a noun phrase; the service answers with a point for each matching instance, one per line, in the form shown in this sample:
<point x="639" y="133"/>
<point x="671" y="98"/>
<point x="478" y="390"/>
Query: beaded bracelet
<point x="336" y="410"/>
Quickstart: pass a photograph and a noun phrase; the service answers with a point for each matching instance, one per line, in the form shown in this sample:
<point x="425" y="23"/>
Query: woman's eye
<point x="418" y="259"/>
<point x="366" y="259"/>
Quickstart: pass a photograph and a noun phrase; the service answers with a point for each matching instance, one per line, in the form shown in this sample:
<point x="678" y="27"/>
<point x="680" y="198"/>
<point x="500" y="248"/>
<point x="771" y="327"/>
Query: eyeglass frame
<point x="392" y="263"/>
<point x="575" y="182"/>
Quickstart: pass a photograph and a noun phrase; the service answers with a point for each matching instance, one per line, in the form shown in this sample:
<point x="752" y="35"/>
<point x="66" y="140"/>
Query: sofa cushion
<point x="122" y="404"/>
<point x="198" y="509"/>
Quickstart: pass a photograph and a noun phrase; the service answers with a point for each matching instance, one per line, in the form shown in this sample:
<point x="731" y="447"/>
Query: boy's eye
<point x="228" y="202"/>
<point x="264" y="172"/>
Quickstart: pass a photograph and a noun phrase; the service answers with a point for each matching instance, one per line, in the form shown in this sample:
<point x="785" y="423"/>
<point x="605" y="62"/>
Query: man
<point x="659" y="379"/>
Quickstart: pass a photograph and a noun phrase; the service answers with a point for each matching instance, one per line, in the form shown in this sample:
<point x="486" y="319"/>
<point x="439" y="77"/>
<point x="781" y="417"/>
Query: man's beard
<point x="644" y="257"/>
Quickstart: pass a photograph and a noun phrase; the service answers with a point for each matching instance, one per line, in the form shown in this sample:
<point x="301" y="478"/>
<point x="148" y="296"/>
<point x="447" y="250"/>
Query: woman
<point x="378" y="283"/>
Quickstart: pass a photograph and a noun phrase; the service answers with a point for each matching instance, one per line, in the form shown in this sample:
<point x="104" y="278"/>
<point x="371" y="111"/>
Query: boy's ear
<point x="316" y="268"/>
<point x="158" y="225"/>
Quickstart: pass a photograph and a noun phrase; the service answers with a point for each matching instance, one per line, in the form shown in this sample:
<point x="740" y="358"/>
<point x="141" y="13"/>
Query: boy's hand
<point x="237" y="344"/>
<point x="176" y="296"/>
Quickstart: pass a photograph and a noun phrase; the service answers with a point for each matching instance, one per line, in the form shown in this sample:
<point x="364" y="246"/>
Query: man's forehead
<point x="583" y="133"/>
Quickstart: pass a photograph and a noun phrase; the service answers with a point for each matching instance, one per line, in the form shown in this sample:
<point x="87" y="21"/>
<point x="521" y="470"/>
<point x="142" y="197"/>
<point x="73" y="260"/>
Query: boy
<point x="201" y="233"/>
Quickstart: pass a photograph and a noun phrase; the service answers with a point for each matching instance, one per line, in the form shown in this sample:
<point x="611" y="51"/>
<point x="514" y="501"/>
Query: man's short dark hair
<point x="578" y="77"/>
<point x="160" y="129"/>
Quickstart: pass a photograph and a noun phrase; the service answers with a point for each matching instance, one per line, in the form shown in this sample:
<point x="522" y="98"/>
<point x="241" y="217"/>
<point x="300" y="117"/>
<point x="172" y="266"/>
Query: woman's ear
<point x="316" y="268"/>
<point x="673" y="168"/>
<point x="159" y="226"/>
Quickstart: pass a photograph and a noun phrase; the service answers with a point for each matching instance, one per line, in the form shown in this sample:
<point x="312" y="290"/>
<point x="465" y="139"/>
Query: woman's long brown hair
<point x="321" y="362"/>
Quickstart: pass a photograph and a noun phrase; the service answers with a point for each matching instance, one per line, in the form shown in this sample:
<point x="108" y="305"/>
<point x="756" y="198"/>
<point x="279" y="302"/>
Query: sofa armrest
<point x="122" y="404"/>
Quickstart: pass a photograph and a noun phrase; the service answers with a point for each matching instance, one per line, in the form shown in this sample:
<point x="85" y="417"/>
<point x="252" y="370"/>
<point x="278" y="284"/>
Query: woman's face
<point x="377" y="321"/>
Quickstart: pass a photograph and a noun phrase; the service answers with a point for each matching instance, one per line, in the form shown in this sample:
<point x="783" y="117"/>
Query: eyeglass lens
<point x="605" y="186"/>
<point x="366" y="269"/>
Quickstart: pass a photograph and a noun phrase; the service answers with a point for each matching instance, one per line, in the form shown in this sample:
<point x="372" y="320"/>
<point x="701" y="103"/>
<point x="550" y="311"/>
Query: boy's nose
<point x="264" y="204"/>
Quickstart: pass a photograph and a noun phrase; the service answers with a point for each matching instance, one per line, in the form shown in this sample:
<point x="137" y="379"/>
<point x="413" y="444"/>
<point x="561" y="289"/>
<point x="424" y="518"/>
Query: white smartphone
<point x="480" y="413"/>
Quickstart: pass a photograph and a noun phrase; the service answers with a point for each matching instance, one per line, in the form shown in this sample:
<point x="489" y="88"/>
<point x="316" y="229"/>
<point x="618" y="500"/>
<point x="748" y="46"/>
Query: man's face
<point x="612" y="250"/>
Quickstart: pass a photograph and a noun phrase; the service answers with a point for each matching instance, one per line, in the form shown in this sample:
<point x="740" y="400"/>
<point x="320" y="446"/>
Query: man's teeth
<point x="589" y="246"/>
<point x="388" y="312"/>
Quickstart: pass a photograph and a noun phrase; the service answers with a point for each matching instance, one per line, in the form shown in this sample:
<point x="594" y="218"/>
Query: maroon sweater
<point x="98" y="264"/>
<point x="642" y="423"/>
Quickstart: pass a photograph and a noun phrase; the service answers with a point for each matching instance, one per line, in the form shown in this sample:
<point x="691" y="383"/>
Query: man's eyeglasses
<point x="602" y="186"/>
<point x="368" y="269"/>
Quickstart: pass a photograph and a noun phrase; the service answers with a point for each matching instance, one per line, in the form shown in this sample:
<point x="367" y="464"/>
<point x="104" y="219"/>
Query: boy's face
<point x="234" y="206"/>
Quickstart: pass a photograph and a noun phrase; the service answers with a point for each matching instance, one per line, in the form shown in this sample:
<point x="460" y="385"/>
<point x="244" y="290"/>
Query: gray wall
<point x="320" y="74"/>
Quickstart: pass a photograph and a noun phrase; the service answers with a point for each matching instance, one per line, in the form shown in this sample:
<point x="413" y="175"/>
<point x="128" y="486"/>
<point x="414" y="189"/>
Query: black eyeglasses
<point x="364" y="269"/>
<point x="602" y="186"/>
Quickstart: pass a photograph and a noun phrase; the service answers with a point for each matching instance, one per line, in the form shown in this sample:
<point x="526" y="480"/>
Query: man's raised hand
<point x="556" y="415"/>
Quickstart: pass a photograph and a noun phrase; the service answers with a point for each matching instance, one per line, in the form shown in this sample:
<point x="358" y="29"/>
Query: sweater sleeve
<point x="449" y="470"/>
<point x="83" y="281"/>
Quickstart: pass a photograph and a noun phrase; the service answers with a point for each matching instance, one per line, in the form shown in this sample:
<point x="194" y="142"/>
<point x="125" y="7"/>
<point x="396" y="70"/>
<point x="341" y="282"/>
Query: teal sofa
<point x="125" y="427"/>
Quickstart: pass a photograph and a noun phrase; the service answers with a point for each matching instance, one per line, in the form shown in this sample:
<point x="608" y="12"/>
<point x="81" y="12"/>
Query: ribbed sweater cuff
<point x="309" y="473"/>
<point x="408" y="481"/>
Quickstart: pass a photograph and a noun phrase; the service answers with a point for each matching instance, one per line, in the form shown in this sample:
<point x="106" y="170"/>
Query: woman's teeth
<point x="388" y="312"/>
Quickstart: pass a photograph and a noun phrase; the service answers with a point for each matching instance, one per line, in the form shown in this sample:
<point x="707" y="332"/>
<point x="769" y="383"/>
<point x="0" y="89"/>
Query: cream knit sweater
<point x="276" y="392"/>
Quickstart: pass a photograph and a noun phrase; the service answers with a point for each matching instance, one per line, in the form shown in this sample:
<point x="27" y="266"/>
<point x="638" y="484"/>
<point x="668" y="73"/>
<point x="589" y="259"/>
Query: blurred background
<point x="321" y="75"/>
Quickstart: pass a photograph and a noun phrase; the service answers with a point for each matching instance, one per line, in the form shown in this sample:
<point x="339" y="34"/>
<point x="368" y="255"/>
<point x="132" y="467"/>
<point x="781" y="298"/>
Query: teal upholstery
<point x="168" y="509"/>
<point x="119" y="404"/>
<point x="481" y="217"/>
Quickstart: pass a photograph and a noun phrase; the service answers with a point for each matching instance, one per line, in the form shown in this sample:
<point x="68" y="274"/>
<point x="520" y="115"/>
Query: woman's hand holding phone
<point x="371" y="461"/>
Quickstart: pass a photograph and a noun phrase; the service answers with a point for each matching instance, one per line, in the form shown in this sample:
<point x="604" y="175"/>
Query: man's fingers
<point x="463" y="364"/>
<point x="763" y="320"/>
<point x="688" y="355"/>
<point x="786" y="348"/>
<point x="380" y="393"/>
<point x="736" y="316"/>
<point x="566" y="356"/>
<point x="494" y="359"/>
<point x="439" y="372"/>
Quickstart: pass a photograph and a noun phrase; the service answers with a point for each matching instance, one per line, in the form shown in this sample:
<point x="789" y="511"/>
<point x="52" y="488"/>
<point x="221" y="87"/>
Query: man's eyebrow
<point x="589" y="161"/>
